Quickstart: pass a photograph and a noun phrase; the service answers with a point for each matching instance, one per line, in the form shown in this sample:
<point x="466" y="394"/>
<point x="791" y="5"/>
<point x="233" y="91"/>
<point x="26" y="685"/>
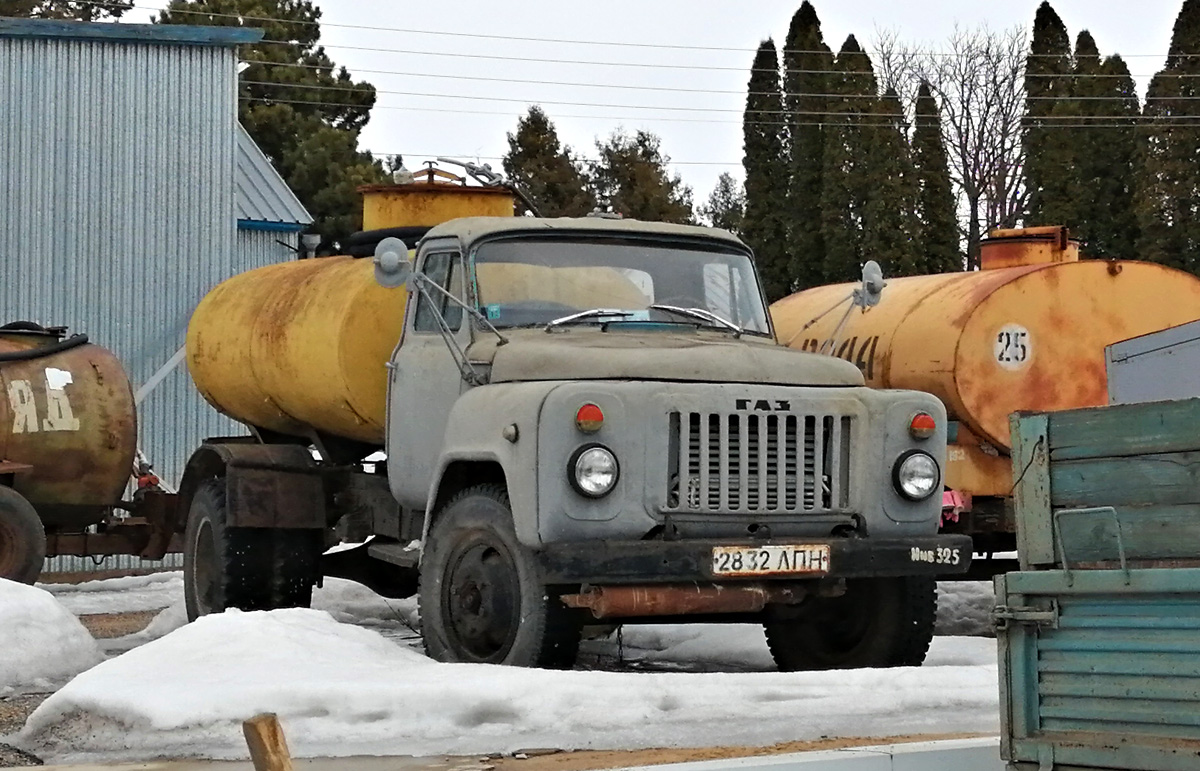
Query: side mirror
<point x="392" y="267"/>
<point x="869" y="294"/>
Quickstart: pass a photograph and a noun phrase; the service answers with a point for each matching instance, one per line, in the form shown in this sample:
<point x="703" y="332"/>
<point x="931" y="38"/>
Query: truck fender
<point x="267" y="485"/>
<point x="461" y="470"/>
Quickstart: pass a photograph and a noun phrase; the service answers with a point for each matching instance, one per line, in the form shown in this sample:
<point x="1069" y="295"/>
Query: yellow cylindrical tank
<point x="999" y="340"/>
<point x="299" y="344"/>
<point x="425" y="204"/>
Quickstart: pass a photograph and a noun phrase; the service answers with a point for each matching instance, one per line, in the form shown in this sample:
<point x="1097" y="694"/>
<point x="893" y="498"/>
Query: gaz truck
<point x="583" y="422"/>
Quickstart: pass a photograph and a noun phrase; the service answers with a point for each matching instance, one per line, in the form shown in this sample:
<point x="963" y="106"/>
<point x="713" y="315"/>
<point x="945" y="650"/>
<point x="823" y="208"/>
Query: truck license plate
<point x="770" y="559"/>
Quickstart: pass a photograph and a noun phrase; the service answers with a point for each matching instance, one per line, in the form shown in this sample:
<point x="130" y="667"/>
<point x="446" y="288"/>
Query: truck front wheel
<point x="22" y="538"/>
<point x="243" y="567"/>
<point x="481" y="595"/>
<point x="878" y="622"/>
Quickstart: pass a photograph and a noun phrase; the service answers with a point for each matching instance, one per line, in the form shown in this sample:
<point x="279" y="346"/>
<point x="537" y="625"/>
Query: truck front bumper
<point x="663" y="562"/>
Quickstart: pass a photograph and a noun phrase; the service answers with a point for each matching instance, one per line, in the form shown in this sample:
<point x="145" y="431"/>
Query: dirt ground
<point x="542" y="760"/>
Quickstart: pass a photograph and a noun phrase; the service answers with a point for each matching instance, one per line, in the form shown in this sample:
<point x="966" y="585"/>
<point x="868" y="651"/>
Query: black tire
<point x="22" y="538"/>
<point x="243" y="567"/>
<point x="481" y="596"/>
<point x="878" y="622"/>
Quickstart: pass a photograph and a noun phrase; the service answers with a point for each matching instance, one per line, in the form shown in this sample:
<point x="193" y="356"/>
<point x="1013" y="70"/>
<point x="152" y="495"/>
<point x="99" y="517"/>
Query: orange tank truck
<point x="1025" y="332"/>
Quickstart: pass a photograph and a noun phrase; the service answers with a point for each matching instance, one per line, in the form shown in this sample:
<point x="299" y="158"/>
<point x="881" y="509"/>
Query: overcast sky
<point x="705" y="138"/>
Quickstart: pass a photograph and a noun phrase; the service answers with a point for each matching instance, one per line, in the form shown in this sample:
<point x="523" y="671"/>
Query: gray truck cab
<point x="590" y="421"/>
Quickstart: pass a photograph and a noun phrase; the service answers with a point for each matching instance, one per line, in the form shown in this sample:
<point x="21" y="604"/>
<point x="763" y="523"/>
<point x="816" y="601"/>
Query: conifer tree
<point x="937" y="225"/>
<point x="726" y="205"/>
<point x="806" y="60"/>
<point x="1169" y="171"/>
<point x="845" y="173"/>
<point x="302" y="110"/>
<point x="1102" y="211"/>
<point x="631" y="176"/>
<point x="73" y="10"/>
<point x="765" y="225"/>
<point x="546" y="170"/>
<point x="1048" y="157"/>
<point x="889" y="193"/>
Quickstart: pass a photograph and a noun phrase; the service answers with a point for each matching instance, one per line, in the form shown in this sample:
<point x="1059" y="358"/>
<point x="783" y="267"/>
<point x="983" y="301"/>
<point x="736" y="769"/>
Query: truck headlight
<point x="916" y="475"/>
<point x="593" y="471"/>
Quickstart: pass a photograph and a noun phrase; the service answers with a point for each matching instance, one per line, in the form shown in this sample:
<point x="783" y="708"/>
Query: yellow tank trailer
<point x="1026" y="332"/>
<point x="303" y="345"/>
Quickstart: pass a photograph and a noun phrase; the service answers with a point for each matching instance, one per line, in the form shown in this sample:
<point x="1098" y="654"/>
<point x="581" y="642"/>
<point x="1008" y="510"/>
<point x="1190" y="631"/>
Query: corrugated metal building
<point x="119" y="201"/>
<point x="269" y="216"/>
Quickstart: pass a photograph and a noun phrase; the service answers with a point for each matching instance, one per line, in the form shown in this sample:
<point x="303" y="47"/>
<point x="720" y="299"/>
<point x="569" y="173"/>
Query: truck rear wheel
<point x="248" y="568"/>
<point x="878" y="622"/>
<point x="22" y="538"/>
<point x="481" y="595"/>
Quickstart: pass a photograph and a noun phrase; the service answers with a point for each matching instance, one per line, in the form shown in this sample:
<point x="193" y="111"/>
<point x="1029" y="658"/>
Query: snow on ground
<point x="345" y="690"/>
<point x="120" y="595"/>
<point x="965" y="608"/>
<point x="41" y="643"/>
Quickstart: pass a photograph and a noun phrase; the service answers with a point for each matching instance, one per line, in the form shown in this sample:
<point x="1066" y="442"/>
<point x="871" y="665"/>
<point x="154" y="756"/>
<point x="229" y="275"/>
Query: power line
<point x="550" y="40"/>
<point x="634" y="87"/>
<point x="872" y="120"/>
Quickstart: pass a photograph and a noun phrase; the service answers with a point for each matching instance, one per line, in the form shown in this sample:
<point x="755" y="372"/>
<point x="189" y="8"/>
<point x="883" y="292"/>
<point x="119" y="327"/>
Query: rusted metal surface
<point x="427" y="203"/>
<point x="133" y="536"/>
<point x="1028" y="246"/>
<point x="272" y="486"/>
<point x="70" y="417"/>
<point x="9" y="467"/>
<point x="680" y="599"/>
<point x="993" y="342"/>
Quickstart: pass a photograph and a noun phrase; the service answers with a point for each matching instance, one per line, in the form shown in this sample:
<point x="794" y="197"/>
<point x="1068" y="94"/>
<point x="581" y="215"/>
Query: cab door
<point x="424" y="378"/>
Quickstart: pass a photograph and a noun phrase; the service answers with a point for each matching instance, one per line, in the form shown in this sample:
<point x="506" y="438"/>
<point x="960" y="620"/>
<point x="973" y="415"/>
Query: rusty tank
<point x="68" y="437"/>
<point x="301" y="347"/>
<point x="1026" y="332"/>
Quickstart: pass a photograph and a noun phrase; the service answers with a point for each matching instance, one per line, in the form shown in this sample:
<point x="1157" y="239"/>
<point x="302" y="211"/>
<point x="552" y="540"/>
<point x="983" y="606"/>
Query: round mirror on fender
<point x="872" y="284"/>
<point x="392" y="267"/>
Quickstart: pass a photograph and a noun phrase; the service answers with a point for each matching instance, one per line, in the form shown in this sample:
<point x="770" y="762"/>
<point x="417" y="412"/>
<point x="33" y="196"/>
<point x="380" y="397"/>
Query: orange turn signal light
<point x="589" y="419"/>
<point x="922" y="426"/>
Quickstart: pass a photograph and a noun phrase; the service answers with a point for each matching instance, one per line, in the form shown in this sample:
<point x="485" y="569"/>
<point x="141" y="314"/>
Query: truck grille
<point x="735" y="462"/>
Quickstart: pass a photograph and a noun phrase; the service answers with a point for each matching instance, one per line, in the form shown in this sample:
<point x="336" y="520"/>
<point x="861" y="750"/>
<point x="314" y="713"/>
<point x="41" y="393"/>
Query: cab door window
<point x="445" y="270"/>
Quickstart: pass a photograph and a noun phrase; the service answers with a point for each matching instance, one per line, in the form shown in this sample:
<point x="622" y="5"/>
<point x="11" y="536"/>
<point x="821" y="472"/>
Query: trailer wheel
<point x="878" y="622"/>
<point x="481" y="596"/>
<point x="22" y="538"/>
<point x="248" y="568"/>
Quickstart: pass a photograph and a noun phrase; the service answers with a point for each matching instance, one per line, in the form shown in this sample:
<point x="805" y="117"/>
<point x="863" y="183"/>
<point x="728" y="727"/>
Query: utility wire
<point x="633" y="87"/>
<point x="850" y="120"/>
<point x="532" y="39"/>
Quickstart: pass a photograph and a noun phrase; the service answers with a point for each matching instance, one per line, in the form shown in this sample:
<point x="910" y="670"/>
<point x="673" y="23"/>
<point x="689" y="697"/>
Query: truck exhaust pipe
<point x="680" y="599"/>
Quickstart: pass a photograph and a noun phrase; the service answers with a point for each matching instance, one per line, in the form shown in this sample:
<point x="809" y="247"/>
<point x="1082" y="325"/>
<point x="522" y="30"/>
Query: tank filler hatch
<point x="1017" y="247"/>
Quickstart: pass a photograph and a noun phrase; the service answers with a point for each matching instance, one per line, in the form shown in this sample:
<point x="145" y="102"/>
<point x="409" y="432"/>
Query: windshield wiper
<point x="594" y="313"/>
<point x="703" y="314"/>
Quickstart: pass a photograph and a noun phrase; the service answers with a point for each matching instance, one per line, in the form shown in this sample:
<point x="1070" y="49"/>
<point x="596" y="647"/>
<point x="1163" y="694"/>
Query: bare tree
<point x="978" y="80"/>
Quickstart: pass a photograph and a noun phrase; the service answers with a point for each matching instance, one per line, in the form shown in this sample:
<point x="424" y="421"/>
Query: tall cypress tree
<point x="845" y="174"/>
<point x="806" y="62"/>
<point x="889" y="193"/>
<point x="937" y="225"/>
<point x="1048" y="157"/>
<point x="765" y="226"/>
<point x="1169" y="171"/>
<point x="1102" y="207"/>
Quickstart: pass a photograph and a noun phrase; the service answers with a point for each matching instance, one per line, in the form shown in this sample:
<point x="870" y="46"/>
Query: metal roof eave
<point x="160" y="34"/>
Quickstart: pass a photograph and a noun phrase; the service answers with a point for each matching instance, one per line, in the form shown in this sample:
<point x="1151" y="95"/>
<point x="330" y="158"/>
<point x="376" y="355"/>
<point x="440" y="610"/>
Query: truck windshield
<point x="530" y="282"/>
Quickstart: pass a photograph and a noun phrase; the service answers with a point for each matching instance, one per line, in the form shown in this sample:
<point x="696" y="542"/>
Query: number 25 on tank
<point x="59" y="415"/>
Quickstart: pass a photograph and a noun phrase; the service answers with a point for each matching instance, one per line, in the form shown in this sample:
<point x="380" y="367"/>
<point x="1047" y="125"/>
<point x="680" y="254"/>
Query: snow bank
<point x="345" y="690"/>
<point x="41" y="643"/>
<point x="965" y="608"/>
<point x="120" y="595"/>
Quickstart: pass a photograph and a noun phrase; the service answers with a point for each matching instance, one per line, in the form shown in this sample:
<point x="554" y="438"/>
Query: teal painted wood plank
<point x="1105" y="663"/>
<point x="1134" y="429"/>
<point x="1122" y="687"/>
<point x="1147" y="532"/>
<point x="1110" y="750"/>
<point x="1031" y="489"/>
<point x="1106" y="582"/>
<point x="1158" y="712"/>
<point x="1161" y="478"/>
